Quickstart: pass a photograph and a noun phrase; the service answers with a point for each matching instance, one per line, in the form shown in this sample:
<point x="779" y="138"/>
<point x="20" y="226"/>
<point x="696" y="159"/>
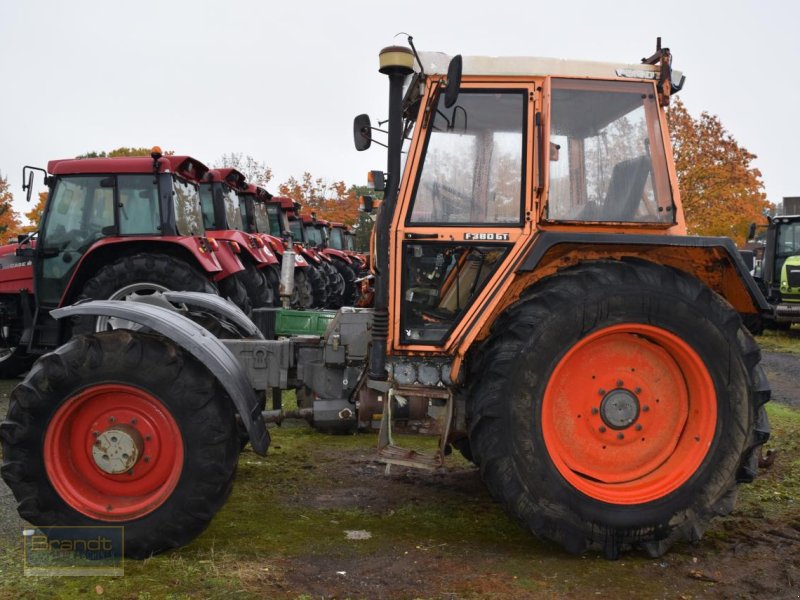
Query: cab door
<point x="464" y="204"/>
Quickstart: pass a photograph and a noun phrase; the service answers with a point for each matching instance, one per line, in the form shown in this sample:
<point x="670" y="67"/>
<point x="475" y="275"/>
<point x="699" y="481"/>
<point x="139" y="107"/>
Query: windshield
<point x="188" y="216"/>
<point x="313" y="235"/>
<point x="274" y="212"/>
<point x="243" y="211"/>
<point x="207" y="205"/>
<point x="262" y="219"/>
<point x="139" y="209"/>
<point x="606" y="153"/>
<point x="78" y="210"/>
<point x="232" y="213"/>
<point x="297" y="230"/>
<point x="472" y="171"/>
<point x="336" y="240"/>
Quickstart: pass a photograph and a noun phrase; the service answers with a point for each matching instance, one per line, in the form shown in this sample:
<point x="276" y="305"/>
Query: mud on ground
<point x="319" y="518"/>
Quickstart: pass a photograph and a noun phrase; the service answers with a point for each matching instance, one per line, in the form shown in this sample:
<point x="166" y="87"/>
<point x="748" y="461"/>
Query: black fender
<point x="220" y="307"/>
<point x="200" y="343"/>
<point x="546" y="240"/>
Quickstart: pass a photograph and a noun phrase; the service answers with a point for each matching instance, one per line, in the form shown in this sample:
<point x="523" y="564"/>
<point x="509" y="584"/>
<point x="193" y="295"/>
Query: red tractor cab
<point x="318" y="232"/>
<point x="222" y="219"/>
<point x="112" y="228"/>
<point x="273" y="230"/>
<point x="341" y="238"/>
<point x="310" y="244"/>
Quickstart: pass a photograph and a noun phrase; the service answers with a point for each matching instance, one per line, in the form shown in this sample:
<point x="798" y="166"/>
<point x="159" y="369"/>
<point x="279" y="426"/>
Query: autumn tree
<point x="254" y="171"/>
<point x="332" y="201"/>
<point x="721" y="191"/>
<point x="121" y="151"/>
<point x="9" y="219"/>
<point x="35" y="214"/>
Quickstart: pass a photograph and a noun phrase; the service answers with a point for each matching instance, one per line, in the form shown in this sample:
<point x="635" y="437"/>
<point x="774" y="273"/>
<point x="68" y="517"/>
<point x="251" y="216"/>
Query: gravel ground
<point x="10" y="523"/>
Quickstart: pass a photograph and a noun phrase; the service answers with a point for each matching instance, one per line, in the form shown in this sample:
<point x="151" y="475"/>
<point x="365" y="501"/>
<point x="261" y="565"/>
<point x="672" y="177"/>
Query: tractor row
<point x="125" y="228"/>
<point x="538" y="306"/>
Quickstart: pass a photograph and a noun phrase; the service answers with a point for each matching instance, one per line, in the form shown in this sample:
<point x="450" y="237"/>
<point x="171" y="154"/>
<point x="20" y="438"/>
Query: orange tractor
<point x="538" y="306"/>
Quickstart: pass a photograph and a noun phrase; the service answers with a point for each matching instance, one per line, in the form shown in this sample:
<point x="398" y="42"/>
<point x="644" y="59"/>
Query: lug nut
<point x="620" y="436"/>
<point x="638" y="427"/>
<point x="645" y="408"/>
<point x="112" y="419"/>
<point x="602" y="430"/>
<point x="601" y="391"/>
<point x="595" y="411"/>
<point x="620" y="383"/>
<point x="638" y="390"/>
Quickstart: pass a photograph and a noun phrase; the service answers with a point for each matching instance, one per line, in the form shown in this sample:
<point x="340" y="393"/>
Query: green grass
<point x="781" y="341"/>
<point x="272" y="523"/>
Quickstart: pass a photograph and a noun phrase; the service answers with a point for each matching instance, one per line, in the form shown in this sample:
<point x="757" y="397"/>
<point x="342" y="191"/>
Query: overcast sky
<point x="282" y="80"/>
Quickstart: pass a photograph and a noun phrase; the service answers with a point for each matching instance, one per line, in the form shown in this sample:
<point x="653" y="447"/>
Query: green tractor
<point x="778" y="275"/>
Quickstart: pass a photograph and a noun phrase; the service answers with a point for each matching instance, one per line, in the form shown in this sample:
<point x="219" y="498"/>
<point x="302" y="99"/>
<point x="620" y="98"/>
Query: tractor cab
<point x="93" y="199"/>
<point x="497" y="151"/>
<point x="253" y="201"/>
<point x="779" y="275"/>
<point x="219" y="199"/>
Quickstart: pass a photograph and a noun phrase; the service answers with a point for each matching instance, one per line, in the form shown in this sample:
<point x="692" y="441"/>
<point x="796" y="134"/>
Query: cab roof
<point x="259" y="192"/>
<point x="437" y="63"/>
<point x="185" y="166"/>
<point x="231" y="176"/>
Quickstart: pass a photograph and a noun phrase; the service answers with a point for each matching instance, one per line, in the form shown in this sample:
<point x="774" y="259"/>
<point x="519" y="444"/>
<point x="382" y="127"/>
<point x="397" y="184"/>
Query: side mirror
<point x="751" y="231"/>
<point x="362" y="132"/>
<point x="453" y="81"/>
<point x="376" y="180"/>
<point x="366" y="204"/>
<point x="29" y="186"/>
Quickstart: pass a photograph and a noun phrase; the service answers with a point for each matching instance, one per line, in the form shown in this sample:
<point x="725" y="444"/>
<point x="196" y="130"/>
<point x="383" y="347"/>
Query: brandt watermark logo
<point x="74" y="551"/>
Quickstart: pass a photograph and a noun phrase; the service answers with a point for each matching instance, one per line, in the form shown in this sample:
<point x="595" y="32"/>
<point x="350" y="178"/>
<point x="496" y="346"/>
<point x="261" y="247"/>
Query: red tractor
<point x="254" y="202"/>
<point x="112" y="228"/>
<point x="222" y="219"/>
<point x="325" y="280"/>
<point x="318" y="231"/>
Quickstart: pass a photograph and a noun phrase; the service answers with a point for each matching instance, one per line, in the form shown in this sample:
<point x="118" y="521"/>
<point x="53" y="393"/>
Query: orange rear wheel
<point x="629" y="414"/>
<point x="616" y="405"/>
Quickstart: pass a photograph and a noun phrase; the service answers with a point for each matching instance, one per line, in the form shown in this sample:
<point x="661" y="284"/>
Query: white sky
<point x="281" y="81"/>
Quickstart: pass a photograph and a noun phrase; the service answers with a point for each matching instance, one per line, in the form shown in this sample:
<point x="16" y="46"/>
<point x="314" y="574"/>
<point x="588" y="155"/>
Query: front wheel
<point x="121" y="428"/>
<point x="617" y="404"/>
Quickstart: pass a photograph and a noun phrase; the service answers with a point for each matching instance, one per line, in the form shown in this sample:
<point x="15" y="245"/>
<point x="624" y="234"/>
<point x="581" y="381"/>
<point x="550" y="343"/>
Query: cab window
<point x="139" y="209"/>
<point x="606" y="153"/>
<point x="472" y="171"/>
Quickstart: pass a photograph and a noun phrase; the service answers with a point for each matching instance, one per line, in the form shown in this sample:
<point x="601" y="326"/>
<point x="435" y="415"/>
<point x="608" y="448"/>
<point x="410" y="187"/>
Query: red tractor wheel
<point x="121" y="428"/>
<point x="616" y="405"/>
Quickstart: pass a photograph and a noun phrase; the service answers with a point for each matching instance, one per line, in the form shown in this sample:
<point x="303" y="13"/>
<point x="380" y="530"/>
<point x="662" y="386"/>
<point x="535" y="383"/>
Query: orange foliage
<point x="722" y="192"/>
<point x="9" y="219"/>
<point x="35" y="214"/>
<point x="334" y="202"/>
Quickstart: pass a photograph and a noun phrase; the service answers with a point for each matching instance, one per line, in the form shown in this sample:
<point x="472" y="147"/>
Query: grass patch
<point x="781" y="341"/>
<point x="280" y="518"/>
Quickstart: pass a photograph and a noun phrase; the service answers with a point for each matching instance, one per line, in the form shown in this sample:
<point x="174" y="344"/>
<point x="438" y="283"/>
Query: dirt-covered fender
<point x="713" y="260"/>
<point x="200" y="343"/>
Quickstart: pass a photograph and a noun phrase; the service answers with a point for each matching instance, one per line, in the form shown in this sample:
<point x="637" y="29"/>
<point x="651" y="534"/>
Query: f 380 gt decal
<point x="486" y="237"/>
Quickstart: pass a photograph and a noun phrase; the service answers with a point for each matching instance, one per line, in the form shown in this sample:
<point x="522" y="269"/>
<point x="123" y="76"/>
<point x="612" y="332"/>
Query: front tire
<point x="617" y="404"/>
<point x="160" y="401"/>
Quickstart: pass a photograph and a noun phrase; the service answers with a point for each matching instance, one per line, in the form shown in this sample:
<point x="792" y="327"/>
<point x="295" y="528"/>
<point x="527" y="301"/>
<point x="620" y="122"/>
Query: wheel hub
<point x="619" y="408"/>
<point x="117" y="449"/>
